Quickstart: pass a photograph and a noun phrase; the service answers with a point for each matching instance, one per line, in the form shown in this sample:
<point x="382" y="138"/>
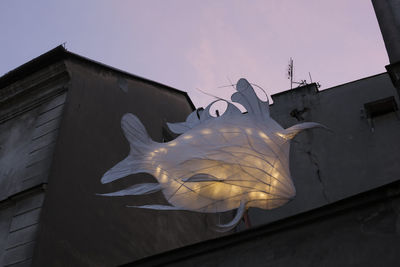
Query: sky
<point x="203" y="46"/>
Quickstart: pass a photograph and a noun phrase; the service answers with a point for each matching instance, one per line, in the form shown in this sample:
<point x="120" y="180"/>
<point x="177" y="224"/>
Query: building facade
<point x="59" y="133"/>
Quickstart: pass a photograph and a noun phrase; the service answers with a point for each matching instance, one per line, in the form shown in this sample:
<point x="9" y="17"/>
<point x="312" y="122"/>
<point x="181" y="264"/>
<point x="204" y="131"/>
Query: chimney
<point x="388" y="15"/>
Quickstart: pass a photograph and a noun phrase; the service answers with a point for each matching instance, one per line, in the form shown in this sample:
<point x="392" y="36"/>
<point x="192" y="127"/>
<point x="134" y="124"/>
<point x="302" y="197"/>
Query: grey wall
<point x="79" y="228"/>
<point x="30" y="116"/>
<point x="30" y="112"/>
<point x="359" y="231"/>
<point x="329" y="166"/>
<point x="19" y="222"/>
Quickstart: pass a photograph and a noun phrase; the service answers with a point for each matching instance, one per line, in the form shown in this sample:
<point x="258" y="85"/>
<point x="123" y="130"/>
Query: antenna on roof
<point x="290" y="76"/>
<point x="290" y="72"/>
<point x="64" y="45"/>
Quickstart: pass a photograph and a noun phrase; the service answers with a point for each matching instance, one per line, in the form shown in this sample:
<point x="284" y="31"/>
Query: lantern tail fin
<point x="157" y="207"/>
<point x="140" y="143"/>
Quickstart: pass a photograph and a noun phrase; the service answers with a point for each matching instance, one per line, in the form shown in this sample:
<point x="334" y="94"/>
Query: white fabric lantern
<point x="235" y="161"/>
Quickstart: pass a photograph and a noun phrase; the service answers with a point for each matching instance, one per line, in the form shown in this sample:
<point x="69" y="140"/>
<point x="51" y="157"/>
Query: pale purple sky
<point x="202" y="44"/>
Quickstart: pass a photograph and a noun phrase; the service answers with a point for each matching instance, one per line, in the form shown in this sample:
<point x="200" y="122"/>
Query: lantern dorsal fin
<point x="192" y="120"/>
<point x="246" y="96"/>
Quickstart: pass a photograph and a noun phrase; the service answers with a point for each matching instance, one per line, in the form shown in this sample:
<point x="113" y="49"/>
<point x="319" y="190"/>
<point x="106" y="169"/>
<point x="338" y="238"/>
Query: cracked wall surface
<point x="327" y="166"/>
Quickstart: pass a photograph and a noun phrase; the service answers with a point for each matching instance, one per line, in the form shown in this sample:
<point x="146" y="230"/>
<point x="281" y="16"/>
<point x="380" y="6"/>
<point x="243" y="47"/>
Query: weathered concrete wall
<point x="30" y="116"/>
<point x="329" y="166"/>
<point x="359" y="231"/>
<point x="30" y="112"/>
<point x="19" y="222"/>
<point x="80" y="228"/>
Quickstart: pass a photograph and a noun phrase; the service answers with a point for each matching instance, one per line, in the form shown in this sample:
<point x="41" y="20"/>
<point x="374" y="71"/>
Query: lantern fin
<point x="191" y="121"/>
<point x="157" y="207"/>
<point x="202" y="177"/>
<point x="139" y="141"/>
<point x="178" y="127"/>
<point x="205" y="115"/>
<point x="291" y="132"/>
<point x="137" y="189"/>
<point x="201" y="115"/>
<point x="122" y="169"/>
<point x="246" y="96"/>
<point x="232" y="109"/>
<point x="239" y="214"/>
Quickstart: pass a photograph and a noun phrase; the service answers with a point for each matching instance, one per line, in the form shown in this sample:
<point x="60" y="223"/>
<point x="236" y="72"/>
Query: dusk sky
<point x="203" y="45"/>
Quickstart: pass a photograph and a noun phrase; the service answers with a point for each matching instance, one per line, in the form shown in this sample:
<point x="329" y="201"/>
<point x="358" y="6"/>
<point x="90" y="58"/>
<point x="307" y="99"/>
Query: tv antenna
<point x="290" y="73"/>
<point x="290" y="76"/>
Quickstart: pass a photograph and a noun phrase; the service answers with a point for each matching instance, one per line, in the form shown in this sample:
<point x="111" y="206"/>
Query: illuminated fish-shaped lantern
<point x="235" y="161"/>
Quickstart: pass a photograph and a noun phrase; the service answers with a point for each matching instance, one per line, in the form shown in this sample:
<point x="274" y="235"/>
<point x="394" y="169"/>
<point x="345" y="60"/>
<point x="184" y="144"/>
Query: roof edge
<point x="326" y="89"/>
<point x="60" y="53"/>
<point x="55" y="54"/>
